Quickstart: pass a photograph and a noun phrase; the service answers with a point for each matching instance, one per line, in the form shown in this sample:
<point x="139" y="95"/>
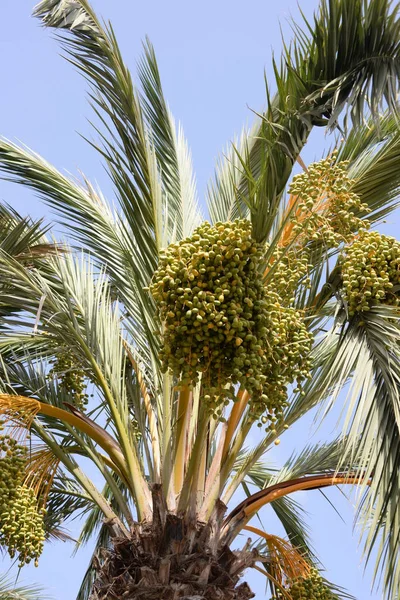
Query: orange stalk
<point x="234" y="419"/>
<point x="288" y="561"/>
<point x="307" y="483"/>
<point x="19" y="404"/>
<point x="257" y="531"/>
<point x="242" y="514"/>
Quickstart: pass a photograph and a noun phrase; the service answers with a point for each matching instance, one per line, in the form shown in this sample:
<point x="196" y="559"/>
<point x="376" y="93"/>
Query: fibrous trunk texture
<point x="172" y="558"/>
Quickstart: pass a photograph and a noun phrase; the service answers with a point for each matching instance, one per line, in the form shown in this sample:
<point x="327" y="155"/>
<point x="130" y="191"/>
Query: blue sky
<point x="212" y="56"/>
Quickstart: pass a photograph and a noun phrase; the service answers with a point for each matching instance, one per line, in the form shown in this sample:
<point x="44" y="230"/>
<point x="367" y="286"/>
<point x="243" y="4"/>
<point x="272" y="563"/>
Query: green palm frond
<point x="289" y="512"/>
<point x="173" y="155"/>
<point x="97" y="227"/>
<point x="152" y="438"/>
<point x="102" y="541"/>
<point x="24" y="240"/>
<point x="93" y="524"/>
<point x="367" y="352"/>
<point x="84" y="318"/>
<point x="66" y="501"/>
<point x="95" y="519"/>
<point x="224" y="201"/>
<point x="313" y="459"/>
<point x="126" y="147"/>
<point x="147" y="159"/>
<point x="373" y="150"/>
<point x="292" y="517"/>
<point x="374" y="424"/>
<point x="82" y="303"/>
<point x="320" y="74"/>
<point x="21" y="237"/>
<point x="11" y="591"/>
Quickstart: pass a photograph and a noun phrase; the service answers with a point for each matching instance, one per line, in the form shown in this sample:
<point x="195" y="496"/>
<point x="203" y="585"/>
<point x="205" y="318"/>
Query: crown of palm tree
<point x="84" y="316"/>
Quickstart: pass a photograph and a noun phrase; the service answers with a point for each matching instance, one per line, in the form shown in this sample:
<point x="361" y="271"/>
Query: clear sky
<point x="212" y="56"/>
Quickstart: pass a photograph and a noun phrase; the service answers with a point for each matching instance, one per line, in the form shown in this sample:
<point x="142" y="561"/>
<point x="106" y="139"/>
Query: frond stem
<point x="181" y="438"/>
<point x="85" y="482"/>
<point x="234" y="419"/>
<point x="240" y="515"/>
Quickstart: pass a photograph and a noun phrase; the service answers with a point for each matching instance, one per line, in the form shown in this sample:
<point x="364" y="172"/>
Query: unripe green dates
<point x="370" y="268"/>
<point x="223" y="323"/>
<point x="326" y="207"/>
<point x="307" y="588"/>
<point x="22" y="526"/>
<point x="71" y="378"/>
<point x="21" y="520"/>
<point x="12" y="463"/>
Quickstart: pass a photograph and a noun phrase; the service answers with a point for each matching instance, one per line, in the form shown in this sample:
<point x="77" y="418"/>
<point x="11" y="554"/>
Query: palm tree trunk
<point x="171" y="558"/>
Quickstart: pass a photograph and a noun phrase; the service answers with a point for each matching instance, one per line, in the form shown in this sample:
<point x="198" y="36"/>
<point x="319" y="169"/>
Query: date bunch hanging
<point x="221" y="323"/>
<point x="21" y="518"/>
<point x="70" y="377"/>
<point x="326" y="208"/>
<point x="370" y="268"/>
<point x="311" y="587"/>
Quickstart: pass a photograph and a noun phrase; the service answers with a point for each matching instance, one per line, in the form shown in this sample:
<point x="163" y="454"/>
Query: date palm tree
<point x="187" y="342"/>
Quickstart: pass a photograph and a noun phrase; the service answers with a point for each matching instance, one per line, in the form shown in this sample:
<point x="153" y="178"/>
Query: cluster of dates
<point x="311" y="587"/>
<point x="70" y="378"/>
<point x="21" y="519"/>
<point x="370" y="268"/>
<point x="220" y="321"/>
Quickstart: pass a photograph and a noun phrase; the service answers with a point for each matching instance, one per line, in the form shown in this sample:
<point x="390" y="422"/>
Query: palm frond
<point x="373" y="150"/>
<point x="97" y="227"/>
<point x="343" y="66"/>
<point x="10" y="591"/>
<point x="22" y="238"/>
<point x="349" y="57"/>
<point x="126" y="147"/>
<point x="224" y="201"/>
<point x="25" y="240"/>
<point x="66" y="501"/>
<point x="173" y="156"/>
<point x="289" y="512"/>
<point x="94" y="520"/>
<point x="84" y="317"/>
<point x="103" y="541"/>
<point x="367" y="352"/>
<point x="373" y="419"/>
<point x="314" y="459"/>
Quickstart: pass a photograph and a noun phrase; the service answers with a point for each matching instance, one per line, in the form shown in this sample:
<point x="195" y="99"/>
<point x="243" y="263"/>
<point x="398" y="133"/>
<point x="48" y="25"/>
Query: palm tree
<point x="188" y="334"/>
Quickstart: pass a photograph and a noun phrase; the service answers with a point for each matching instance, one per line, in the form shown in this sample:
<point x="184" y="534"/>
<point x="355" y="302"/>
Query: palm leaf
<point x="97" y="228"/>
<point x="103" y="541"/>
<point x="83" y="316"/>
<point x="66" y="501"/>
<point x="173" y="155"/>
<point x="21" y="237"/>
<point x="373" y="150"/>
<point x="10" y="591"/>
<point x="368" y="353"/>
<point x="224" y="201"/>
<point x="374" y="414"/>
<point x="289" y="512"/>
<point x="93" y="49"/>
<point x="348" y="57"/>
